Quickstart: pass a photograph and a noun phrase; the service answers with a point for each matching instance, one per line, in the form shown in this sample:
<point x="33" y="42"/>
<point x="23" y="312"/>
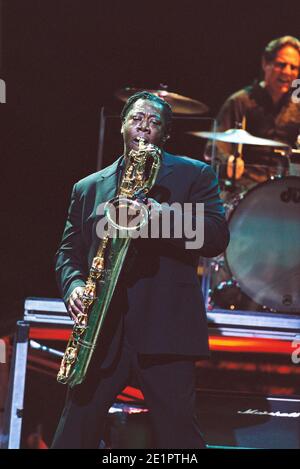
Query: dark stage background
<point x="62" y="61"/>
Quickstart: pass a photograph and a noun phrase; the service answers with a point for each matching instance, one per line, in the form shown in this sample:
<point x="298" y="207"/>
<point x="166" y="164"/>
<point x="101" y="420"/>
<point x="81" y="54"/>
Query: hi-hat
<point x="239" y="136"/>
<point x="179" y="104"/>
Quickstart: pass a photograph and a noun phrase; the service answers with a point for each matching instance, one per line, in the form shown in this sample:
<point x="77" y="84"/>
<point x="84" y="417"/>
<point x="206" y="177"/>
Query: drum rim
<point x="240" y="197"/>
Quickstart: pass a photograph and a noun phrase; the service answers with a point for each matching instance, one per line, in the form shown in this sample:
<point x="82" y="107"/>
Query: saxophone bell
<point x="126" y="215"/>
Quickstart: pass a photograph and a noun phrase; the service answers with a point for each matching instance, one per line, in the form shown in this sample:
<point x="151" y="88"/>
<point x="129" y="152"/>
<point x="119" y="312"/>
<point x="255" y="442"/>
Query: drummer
<point x="265" y="109"/>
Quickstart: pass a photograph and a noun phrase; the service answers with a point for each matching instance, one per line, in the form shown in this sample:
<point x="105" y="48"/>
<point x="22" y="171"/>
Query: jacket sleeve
<point x="208" y="224"/>
<point x="216" y="233"/>
<point x="71" y="269"/>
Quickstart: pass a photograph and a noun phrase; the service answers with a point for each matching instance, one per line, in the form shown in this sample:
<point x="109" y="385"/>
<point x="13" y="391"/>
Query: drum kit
<point x="261" y="266"/>
<point x="260" y="269"/>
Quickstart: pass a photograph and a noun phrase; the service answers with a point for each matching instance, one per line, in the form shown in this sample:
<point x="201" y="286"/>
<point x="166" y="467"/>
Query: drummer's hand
<point x="240" y="167"/>
<point x="75" y="305"/>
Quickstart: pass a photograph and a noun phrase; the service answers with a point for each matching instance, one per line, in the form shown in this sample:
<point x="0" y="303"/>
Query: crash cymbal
<point x="238" y="136"/>
<point x="179" y="104"/>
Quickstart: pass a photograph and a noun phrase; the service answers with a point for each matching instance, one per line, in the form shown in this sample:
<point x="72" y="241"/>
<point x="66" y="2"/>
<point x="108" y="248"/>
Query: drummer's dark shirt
<point x="264" y="119"/>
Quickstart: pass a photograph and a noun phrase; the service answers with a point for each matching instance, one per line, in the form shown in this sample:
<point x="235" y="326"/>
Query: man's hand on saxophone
<point x="155" y="208"/>
<point x="75" y="305"/>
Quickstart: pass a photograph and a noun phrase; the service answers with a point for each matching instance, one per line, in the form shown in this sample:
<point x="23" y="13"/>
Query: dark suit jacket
<point x="158" y="296"/>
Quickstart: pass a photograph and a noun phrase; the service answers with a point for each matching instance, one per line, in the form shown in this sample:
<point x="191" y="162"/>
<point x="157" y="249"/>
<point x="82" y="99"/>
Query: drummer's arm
<point x="230" y="113"/>
<point x="239" y="168"/>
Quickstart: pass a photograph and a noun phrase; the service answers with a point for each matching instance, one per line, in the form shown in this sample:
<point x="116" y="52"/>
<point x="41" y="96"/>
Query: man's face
<point x="280" y="73"/>
<point x="144" y="119"/>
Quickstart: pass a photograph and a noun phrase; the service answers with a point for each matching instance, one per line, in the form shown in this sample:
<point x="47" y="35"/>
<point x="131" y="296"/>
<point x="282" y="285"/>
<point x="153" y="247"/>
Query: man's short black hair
<point x="149" y="97"/>
<point x="275" y="45"/>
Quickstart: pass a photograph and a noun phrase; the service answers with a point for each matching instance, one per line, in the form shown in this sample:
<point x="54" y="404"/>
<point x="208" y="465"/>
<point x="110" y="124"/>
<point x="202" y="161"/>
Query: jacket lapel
<point x="166" y="168"/>
<point x="108" y="181"/>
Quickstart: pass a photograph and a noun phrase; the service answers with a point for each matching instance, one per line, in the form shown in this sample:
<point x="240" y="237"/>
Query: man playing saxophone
<point x="156" y="327"/>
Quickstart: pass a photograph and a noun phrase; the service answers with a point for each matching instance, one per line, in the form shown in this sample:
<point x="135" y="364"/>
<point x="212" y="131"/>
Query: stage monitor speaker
<point x="227" y="420"/>
<point x="249" y="421"/>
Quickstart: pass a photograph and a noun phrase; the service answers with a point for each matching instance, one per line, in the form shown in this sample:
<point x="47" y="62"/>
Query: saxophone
<point x="138" y="178"/>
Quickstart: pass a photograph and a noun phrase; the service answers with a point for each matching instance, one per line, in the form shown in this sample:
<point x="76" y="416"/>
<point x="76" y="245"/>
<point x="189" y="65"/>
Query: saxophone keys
<point x="98" y="264"/>
<point x="71" y="355"/>
<point x="89" y="294"/>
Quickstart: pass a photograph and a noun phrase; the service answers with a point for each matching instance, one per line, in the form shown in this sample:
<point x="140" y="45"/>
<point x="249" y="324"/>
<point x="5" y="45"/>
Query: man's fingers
<point x="154" y="207"/>
<point x="78" y="304"/>
<point x="71" y="314"/>
<point x="74" y="308"/>
<point x="75" y="305"/>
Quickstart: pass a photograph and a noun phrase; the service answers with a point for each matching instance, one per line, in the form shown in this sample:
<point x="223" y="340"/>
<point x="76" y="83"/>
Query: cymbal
<point x="239" y="136"/>
<point x="179" y="104"/>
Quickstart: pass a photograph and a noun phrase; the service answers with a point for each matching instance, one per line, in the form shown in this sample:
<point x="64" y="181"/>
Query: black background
<point x="63" y="60"/>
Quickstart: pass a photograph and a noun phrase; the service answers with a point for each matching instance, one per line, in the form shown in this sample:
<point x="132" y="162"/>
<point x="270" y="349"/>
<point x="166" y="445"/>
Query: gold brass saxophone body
<point x="139" y="176"/>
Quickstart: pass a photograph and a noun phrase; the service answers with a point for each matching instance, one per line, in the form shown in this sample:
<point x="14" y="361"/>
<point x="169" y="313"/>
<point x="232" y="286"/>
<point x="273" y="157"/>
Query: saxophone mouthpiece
<point x="141" y="141"/>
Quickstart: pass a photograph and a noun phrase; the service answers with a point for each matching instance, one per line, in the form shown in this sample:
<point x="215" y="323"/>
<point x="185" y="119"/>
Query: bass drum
<point x="263" y="255"/>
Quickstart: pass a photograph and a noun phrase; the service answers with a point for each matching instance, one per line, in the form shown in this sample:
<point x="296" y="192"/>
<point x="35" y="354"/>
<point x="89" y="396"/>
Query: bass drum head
<point x="264" y="251"/>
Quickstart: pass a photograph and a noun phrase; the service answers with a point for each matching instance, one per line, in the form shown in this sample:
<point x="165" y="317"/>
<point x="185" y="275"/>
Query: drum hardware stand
<point x="236" y="154"/>
<point x="209" y="267"/>
<point x="293" y="165"/>
<point x="206" y="281"/>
